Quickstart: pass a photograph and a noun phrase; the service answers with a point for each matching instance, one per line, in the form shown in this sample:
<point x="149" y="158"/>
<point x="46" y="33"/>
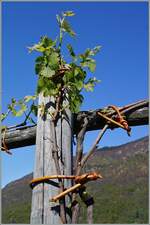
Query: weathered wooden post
<point x="43" y="210"/>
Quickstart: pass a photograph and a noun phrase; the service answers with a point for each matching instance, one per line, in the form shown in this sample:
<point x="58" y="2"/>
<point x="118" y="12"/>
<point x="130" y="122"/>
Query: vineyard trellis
<point x="57" y="180"/>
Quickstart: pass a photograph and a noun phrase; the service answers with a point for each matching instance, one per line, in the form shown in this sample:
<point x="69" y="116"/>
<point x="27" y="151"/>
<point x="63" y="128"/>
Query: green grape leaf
<point x="92" y="52"/>
<point x="3" y="116"/>
<point x="76" y="99"/>
<point x="47" y="72"/>
<point x="40" y="59"/>
<point x="89" y="52"/>
<point x="34" y="109"/>
<point x="23" y="107"/>
<point x="53" y="61"/>
<point x="38" y="68"/>
<point x="96" y="50"/>
<point x="13" y="101"/>
<point x="36" y="47"/>
<point x="92" y="66"/>
<point x="50" y="92"/>
<point x="67" y="28"/>
<point x="40" y="85"/>
<point x="89" y="63"/>
<point x="44" y="45"/>
<point x="75" y="104"/>
<point x="47" y="42"/>
<point x="10" y="107"/>
<point x="68" y="77"/>
<point x="79" y="84"/>
<point x="71" y="51"/>
<point x="79" y="73"/>
<point x="89" y="85"/>
<point x="18" y="113"/>
<point x="41" y="62"/>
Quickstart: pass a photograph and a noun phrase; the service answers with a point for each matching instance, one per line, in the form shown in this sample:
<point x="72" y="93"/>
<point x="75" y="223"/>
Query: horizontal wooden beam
<point x="25" y="136"/>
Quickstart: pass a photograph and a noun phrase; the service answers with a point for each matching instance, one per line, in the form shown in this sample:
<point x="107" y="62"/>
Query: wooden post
<point x="43" y="211"/>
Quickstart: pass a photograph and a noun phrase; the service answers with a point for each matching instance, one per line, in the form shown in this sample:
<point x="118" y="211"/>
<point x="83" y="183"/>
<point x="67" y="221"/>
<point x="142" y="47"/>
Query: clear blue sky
<point x="122" y="65"/>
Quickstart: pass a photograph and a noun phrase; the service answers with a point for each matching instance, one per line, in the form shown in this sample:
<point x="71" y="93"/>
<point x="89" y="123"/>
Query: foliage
<point x="55" y="76"/>
<point x="17" y="214"/>
<point x="20" y="107"/>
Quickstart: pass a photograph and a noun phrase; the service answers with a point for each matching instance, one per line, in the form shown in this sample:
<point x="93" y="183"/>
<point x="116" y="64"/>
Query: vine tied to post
<point x="63" y="81"/>
<point x="57" y="79"/>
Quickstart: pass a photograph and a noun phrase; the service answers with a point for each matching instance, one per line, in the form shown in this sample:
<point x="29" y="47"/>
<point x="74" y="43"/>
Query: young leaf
<point x="89" y="85"/>
<point x="23" y="107"/>
<point x="3" y="116"/>
<point x="96" y="49"/>
<point x="17" y="113"/>
<point x="36" y="47"/>
<point x="92" y="66"/>
<point x="89" y="52"/>
<point x="92" y="52"/>
<point x="53" y="61"/>
<point x="68" y="13"/>
<point x="89" y="63"/>
<point x="71" y="51"/>
<point x="38" y="68"/>
<point x="40" y="59"/>
<point x="13" y="101"/>
<point x="75" y="102"/>
<point x="79" y="84"/>
<point x="47" y="72"/>
<point x="34" y="109"/>
<point x="67" y="28"/>
<point x="47" y="42"/>
<point x="40" y="84"/>
<point x="68" y="77"/>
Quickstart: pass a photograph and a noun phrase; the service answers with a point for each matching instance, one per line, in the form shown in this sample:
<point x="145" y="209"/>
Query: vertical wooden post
<point x="43" y="211"/>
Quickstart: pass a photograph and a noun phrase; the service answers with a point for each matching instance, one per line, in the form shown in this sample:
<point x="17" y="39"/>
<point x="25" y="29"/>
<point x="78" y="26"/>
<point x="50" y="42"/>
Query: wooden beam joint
<point x="25" y="136"/>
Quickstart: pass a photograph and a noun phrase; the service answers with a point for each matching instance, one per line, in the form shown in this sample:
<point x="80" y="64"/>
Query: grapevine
<point x="56" y="77"/>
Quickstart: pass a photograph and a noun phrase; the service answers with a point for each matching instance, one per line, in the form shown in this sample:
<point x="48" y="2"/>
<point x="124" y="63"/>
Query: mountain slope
<point x="121" y="197"/>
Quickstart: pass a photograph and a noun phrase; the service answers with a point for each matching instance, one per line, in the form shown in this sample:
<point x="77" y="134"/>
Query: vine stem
<point x="80" y="162"/>
<point x="134" y="106"/>
<point x="94" y="146"/>
<point x="84" y="160"/>
<point x="80" y="139"/>
<point x="79" y="154"/>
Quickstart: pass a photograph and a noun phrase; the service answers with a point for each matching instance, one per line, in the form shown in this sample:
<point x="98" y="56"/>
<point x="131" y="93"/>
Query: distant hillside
<point x="122" y="196"/>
